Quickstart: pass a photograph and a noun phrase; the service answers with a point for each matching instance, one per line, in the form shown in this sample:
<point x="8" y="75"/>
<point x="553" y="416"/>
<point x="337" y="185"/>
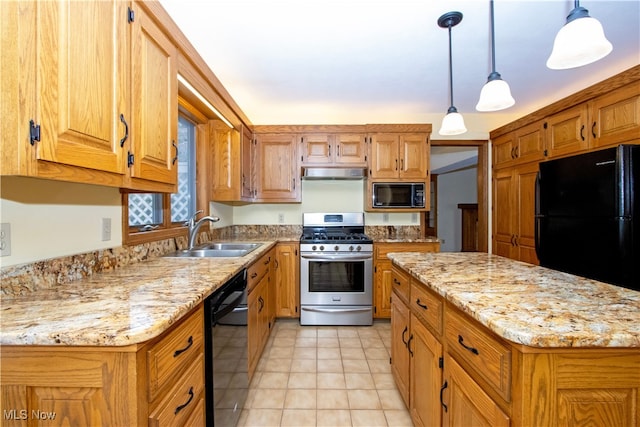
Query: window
<point x="153" y="216"/>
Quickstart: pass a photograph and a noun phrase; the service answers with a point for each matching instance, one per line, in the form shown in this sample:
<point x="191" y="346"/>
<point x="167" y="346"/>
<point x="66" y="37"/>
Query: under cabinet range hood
<point x="318" y="173"/>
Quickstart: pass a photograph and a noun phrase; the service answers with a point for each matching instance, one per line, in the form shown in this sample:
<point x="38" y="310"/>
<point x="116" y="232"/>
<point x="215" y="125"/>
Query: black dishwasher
<point x="227" y="381"/>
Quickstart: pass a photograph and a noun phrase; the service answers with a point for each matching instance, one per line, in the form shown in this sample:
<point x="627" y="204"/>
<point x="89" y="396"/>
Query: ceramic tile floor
<point x="325" y="376"/>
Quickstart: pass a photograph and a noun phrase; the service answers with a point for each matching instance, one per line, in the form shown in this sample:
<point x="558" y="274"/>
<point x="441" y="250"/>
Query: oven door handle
<point x="336" y="310"/>
<point x="341" y="257"/>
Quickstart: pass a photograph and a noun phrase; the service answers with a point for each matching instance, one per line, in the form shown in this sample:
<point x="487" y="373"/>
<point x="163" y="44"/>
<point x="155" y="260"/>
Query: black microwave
<point x="398" y="195"/>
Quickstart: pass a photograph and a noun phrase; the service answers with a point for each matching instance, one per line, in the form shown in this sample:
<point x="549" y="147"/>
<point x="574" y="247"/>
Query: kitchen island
<point x="482" y="339"/>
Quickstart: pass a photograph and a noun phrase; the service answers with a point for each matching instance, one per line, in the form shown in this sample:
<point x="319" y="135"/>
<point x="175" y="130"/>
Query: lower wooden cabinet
<point x="160" y="382"/>
<point x="453" y="371"/>
<point x="382" y="283"/>
<point x="287" y="280"/>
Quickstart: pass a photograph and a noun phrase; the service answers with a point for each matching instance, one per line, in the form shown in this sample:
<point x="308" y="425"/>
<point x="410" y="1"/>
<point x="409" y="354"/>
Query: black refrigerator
<point x="587" y="215"/>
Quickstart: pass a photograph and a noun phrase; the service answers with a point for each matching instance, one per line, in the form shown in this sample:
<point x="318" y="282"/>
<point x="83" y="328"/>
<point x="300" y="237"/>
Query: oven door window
<point x="336" y="276"/>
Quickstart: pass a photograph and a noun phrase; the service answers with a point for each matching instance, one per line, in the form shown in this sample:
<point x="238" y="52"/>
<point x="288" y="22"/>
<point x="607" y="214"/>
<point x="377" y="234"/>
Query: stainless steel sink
<point x="216" y="250"/>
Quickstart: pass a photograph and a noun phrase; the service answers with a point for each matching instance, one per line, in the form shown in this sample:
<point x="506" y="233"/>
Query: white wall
<point x="454" y="188"/>
<point x="50" y="219"/>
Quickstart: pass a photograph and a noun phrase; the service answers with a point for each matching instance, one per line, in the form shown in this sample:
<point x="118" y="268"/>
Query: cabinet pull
<point x="175" y="159"/>
<point x="593" y="129"/>
<point x="184" y="405"/>
<point x="582" y="132"/>
<point x="444" y="386"/>
<point x="406" y="328"/>
<point x="421" y="304"/>
<point x="182" y="350"/>
<point x="409" y="345"/>
<point x="126" y="130"/>
<point x="471" y="349"/>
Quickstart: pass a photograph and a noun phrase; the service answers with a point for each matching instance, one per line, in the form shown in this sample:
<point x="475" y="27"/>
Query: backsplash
<point x="47" y="274"/>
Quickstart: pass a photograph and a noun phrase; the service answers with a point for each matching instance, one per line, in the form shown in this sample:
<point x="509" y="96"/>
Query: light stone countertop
<point x="125" y="306"/>
<point x="527" y="304"/>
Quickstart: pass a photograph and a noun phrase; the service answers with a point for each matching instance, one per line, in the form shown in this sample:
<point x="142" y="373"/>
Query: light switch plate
<point x="5" y="239"/>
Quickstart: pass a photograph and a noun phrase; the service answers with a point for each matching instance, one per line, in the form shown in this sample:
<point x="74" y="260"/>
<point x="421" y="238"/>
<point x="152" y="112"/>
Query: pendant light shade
<point x="495" y="94"/>
<point x="580" y="42"/>
<point x="453" y="123"/>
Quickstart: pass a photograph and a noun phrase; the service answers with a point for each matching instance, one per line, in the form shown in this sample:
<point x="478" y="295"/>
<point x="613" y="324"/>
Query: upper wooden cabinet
<point x="333" y="149"/>
<point x="154" y="102"/>
<point x="88" y="100"/>
<point x="399" y="156"/>
<point x="277" y="171"/>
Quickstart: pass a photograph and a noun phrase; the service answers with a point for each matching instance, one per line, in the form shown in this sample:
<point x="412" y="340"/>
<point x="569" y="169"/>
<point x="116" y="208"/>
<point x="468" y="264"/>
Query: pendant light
<point x="453" y="123"/>
<point x="580" y="42"/>
<point x="495" y="94"/>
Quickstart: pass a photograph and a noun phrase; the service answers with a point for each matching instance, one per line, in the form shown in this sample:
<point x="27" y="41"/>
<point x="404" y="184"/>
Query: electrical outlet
<point x="106" y="229"/>
<point x="385" y="217"/>
<point x="281" y="218"/>
<point x="5" y="239"/>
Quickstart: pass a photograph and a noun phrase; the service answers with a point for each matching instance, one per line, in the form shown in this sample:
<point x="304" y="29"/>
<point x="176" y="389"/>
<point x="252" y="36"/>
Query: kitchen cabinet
<point x="395" y="156"/>
<point x="524" y="145"/>
<point x="77" y="115"/>
<point x="514" y="210"/>
<point x="461" y="373"/>
<point x="334" y="149"/>
<point x="277" y="171"/>
<point x="287" y="280"/>
<point x="382" y="278"/>
<point x="160" y="382"/>
<point x="260" y="308"/>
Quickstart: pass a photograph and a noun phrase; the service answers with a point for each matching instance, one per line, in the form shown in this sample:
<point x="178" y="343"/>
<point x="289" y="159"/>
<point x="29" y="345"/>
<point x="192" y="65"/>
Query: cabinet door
<point x="384" y="155"/>
<point x="399" y="352"/>
<point x="567" y="132"/>
<point x="155" y="98"/>
<point x="287" y="270"/>
<point x="466" y="403"/>
<point x="350" y="149"/>
<point x="503" y="213"/>
<point x="225" y="177"/>
<point x="414" y="156"/>
<point x="317" y="149"/>
<point x="277" y="168"/>
<point x="525" y="186"/>
<point x="82" y="83"/>
<point x="615" y="116"/>
<point x="426" y="375"/>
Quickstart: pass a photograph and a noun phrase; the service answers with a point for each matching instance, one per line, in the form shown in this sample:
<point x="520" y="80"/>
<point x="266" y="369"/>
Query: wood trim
<point x="629" y="76"/>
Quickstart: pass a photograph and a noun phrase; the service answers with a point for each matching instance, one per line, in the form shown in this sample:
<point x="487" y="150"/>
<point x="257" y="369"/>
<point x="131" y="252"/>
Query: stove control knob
<point x="321" y="248"/>
<point x="351" y="248"/>
<point x="336" y="248"/>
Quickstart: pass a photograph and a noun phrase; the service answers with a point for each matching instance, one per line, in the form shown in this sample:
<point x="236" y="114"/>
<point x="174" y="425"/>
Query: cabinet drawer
<point x="426" y="306"/>
<point x="174" y="352"/>
<point x="256" y="271"/>
<point x="400" y="283"/>
<point x="489" y="358"/>
<point x="183" y="399"/>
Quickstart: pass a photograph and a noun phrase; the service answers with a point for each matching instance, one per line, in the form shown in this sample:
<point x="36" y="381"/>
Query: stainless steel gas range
<point x="336" y="270"/>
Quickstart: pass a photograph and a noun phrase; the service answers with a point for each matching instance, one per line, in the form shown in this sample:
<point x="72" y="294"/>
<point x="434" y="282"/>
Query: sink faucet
<point x="194" y="226"/>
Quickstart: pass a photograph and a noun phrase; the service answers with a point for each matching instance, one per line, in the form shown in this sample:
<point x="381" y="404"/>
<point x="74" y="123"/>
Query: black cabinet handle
<point x="126" y="130"/>
<point x="184" y="405"/>
<point x="441" y="392"/>
<point x="406" y="328"/>
<point x="582" y="132"/>
<point x="421" y="305"/>
<point x="182" y="350"/>
<point x="175" y="159"/>
<point x="409" y="345"/>
<point x="471" y="349"/>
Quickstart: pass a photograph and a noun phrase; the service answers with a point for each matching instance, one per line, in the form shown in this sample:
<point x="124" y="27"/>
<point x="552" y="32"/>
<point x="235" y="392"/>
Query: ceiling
<point x="358" y="61"/>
